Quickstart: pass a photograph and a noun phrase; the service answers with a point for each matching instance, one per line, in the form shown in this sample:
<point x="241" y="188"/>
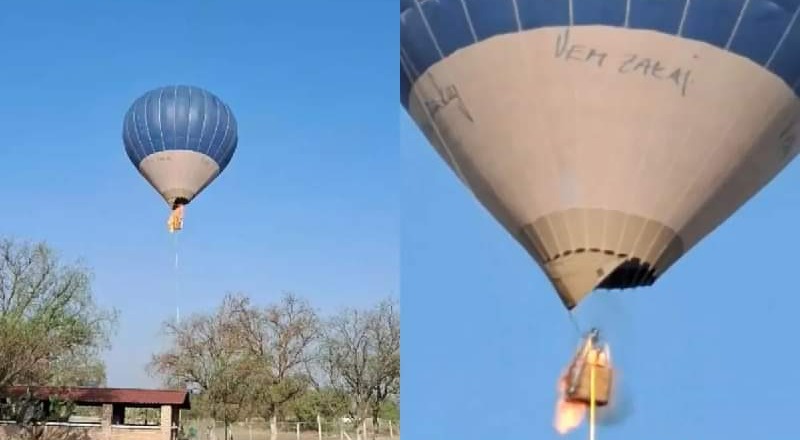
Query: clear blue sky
<point x="708" y="352"/>
<point x="308" y="204"/>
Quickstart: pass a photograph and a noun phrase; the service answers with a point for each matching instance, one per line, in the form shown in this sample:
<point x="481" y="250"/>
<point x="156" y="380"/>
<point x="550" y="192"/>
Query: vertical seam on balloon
<point x="213" y="149"/>
<point x="216" y="127"/>
<point x="218" y="157"/>
<point x="738" y="23"/>
<point x="571" y="14"/>
<point x="556" y="241"/>
<point x="635" y="243"/>
<point x="783" y="38"/>
<point x="138" y="139"/>
<point x="205" y="114"/>
<point x="147" y="125"/>
<point x="234" y="138"/>
<point x="127" y="137"/>
<point x="227" y="150"/>
<point x="126" y="140"/>
<point x="175" y="119"/>
<point x="516" y="15"/>
<point x="572" y="148"/>
<point x="405" y="59"/>
<point x="160" y="122"/>
<point x="627" y="12"/>
<point x="135" y="147"/>
<point x="588" y="242"/>
<point x="649" y="249"/>
<point x="439" y="135"/>
<point x="188" y="120"/>
<point x="683" y="17"/>
<point x="469" y="21"/>
<point x="430" y="31"/>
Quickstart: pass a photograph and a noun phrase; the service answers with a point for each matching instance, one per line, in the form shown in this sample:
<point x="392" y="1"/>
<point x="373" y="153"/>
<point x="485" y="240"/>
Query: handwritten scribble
<point x="444" y="96"/>
<point x="629" y="63"/>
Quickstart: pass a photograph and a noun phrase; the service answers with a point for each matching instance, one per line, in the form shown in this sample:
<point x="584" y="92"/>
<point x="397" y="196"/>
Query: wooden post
<point x="298" y="430"/>
<point x="391" y="430"/>
<point x="250" y="428"/>
<point x="319" y="426"/>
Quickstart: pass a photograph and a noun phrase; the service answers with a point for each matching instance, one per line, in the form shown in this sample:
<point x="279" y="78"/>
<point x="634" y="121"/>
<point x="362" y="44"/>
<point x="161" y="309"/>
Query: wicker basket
<point x="581" y="393"/>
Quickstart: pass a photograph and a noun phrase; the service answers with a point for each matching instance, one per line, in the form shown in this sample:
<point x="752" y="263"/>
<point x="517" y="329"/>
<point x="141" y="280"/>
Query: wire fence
<point x="325" y="429"/>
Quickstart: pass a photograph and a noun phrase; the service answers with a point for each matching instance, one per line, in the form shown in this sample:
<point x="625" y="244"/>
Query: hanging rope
<point x="176" y="276"/>
<point x="575" y="324"/>
<point x="592" y="400"/>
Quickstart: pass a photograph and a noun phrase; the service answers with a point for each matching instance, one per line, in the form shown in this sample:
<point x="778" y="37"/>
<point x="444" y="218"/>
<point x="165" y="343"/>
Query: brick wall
<point x="137" y="433"/>
<point x="105" y="430"/>
<point x="58" y="432"/>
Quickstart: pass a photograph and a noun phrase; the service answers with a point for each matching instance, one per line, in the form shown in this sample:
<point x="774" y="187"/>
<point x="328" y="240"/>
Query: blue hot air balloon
<point x="608" y="137"/>
<point x="180" y="138"/>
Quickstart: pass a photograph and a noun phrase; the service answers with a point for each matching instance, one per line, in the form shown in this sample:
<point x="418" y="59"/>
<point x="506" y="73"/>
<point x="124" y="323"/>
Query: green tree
<point x="48" y="319"/>
<point x="51" y="329"/>
<point x="325" y="402"/>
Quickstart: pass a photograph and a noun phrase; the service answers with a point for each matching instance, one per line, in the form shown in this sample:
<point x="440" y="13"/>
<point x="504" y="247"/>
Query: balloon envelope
<point x="180" y="138"/>
<point x="607" y="136"/>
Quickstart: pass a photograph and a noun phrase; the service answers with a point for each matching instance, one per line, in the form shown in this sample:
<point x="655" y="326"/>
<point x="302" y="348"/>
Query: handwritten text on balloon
<point x="629" y="63"/>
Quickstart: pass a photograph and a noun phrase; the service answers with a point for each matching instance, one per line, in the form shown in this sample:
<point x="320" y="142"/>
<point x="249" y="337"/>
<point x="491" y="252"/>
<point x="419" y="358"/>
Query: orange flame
<point x="569" y="415"/>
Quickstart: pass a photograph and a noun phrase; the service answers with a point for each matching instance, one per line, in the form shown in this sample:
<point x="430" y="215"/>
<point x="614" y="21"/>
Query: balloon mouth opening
<point x="577" y="273"/>
<point x="632" y="273"/>
<point x="179" y="201"/>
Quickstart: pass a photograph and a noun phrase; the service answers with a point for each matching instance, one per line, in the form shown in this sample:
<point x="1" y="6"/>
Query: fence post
<point x="391" y="430"/>
<point x="319" y="426"/>
<point x="298" y="430"/>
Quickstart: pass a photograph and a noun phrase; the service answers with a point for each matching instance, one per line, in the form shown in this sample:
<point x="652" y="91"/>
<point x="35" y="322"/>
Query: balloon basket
<point x="175" y="221"/>
<point x="581" y="393"/>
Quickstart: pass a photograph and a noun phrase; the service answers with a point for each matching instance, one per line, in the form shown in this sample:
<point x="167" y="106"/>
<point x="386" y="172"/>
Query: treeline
<point x="242" y="360"/>
<point x="285" y="361"/>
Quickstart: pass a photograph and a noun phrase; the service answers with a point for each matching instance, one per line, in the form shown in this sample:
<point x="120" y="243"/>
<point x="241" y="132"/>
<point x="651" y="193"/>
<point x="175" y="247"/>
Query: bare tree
<point x="384" y="332"/>
<point x="279" y="337"/>
<point x="207" y="354"/>
<point x="361" y="355"/>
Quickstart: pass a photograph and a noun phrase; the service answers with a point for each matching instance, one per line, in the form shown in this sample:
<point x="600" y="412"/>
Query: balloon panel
<point x="764" y="31"/>
<point x="606" y="151"/>
<point x="180" y="118"/>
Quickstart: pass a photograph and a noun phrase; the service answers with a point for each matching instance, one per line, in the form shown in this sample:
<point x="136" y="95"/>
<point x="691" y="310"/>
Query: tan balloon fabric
<point x="606" y="152"/>
<point x="178" y="174"/>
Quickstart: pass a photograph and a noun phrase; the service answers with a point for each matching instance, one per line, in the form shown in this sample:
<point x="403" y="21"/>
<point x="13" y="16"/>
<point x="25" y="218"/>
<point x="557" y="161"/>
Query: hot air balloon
<point x="608" y="137"/>
<point x="180" y="138"/>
